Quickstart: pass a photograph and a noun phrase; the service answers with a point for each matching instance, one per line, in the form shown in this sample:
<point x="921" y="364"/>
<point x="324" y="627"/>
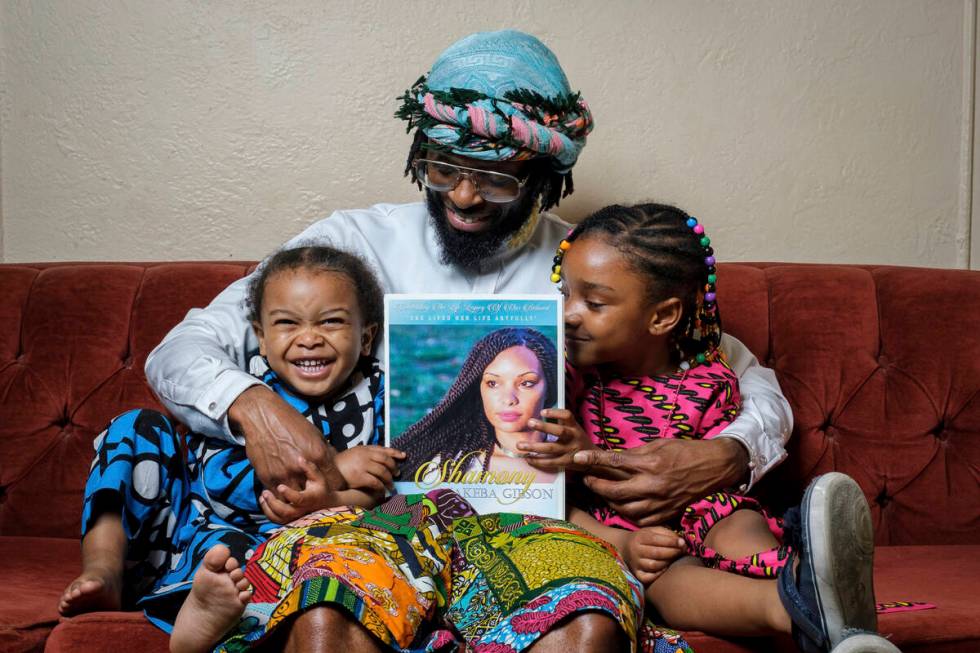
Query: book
<point x="464" y="374"/>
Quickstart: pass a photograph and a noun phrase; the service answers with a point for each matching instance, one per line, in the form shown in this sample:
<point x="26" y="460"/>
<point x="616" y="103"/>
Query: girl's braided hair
<point x="458" y="423"/>
<point x="659" y="241"/>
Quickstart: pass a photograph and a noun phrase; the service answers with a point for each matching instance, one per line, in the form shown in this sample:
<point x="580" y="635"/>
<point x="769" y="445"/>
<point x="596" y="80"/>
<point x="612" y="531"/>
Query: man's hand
<point x="277" y="437"/>
<point x="555" y="455"/>
<point x="649" y="551"/>
<point x="370" y="468"/>
<point x="287" y="504"/>
<point x="651" y="484"/>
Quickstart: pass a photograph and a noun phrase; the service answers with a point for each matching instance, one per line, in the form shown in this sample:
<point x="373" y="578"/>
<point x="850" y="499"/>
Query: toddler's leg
<point x="217" y="599"/>
<point x="99" y="586"/>
<point x="137" y="467"/>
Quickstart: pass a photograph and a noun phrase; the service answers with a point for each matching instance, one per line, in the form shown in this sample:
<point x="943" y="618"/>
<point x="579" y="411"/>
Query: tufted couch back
<point x="880" y="364"/>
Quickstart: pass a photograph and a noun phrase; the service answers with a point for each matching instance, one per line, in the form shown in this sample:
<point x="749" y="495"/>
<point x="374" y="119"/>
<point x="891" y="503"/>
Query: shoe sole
<point x="865" y="643"/>
<point x="837" y="524"/>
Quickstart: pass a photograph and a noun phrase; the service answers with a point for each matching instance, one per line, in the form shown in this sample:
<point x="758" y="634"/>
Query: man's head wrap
<point x="499" y="96"/>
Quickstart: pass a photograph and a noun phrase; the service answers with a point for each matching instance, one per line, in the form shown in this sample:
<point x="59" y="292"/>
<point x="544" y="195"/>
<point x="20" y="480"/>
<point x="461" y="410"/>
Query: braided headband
<point x="522" y="125"/>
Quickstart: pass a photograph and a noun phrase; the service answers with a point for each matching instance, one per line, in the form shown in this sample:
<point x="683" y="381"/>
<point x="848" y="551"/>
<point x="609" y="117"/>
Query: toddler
<point x="153" y="520"/>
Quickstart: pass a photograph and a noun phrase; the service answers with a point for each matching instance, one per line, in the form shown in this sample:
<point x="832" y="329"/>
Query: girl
<point x="150" y="519"/>
<point x="642" y="329"/>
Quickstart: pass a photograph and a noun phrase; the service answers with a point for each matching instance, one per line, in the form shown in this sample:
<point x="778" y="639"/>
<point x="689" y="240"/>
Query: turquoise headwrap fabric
<point x="499" y="96"/>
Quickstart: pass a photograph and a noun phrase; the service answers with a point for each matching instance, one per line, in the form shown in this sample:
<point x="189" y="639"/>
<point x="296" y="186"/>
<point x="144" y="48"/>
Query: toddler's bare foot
<point x="217" y="599"/>
<point x="94" y="590"/>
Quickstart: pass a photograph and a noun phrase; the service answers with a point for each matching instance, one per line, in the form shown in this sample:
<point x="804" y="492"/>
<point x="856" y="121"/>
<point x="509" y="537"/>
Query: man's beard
<point x="467" y="250"/>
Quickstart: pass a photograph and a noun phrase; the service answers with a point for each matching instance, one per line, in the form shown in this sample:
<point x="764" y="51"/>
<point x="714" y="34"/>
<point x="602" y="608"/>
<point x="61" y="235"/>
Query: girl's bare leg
<point x="99" y="586"/>
<point x="692" y="597"/>
<point x="742" y="533"/>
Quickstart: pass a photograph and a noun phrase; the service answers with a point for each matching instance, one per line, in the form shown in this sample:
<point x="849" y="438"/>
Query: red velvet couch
<point x="881" y="365"/>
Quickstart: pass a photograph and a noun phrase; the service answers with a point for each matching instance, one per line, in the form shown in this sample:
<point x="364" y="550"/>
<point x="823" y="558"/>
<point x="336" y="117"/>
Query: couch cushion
<point x="73" y="342"/>
<point x="107" y="632"/>
<point x="33" y="571"/>
<point x="884" y="381"/>
<point x="947" y="576"/>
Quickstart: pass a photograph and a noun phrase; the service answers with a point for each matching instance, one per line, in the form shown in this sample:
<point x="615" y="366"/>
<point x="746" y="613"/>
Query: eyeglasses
<point x="443" y="177"/>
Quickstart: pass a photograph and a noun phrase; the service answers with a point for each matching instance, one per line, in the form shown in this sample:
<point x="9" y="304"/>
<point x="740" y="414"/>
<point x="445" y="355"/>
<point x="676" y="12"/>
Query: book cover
<point x="464" y="375"/>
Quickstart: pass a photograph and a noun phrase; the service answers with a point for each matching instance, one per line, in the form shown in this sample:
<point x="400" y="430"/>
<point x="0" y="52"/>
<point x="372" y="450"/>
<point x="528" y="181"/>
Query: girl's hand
<point x="649" y="551"/>
<point x="556" y="455"/>
<point x="370" y="468"/>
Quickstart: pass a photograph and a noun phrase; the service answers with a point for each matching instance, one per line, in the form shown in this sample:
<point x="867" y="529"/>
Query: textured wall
<point x="800" y="131"/>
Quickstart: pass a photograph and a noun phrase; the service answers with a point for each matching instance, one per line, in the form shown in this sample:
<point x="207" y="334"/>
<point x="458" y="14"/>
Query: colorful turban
<point x="499" y="96"/>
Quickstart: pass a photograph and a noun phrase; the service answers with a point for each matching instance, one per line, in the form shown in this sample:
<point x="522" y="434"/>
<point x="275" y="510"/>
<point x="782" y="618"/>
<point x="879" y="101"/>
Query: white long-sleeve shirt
<point x="199" y="369"/>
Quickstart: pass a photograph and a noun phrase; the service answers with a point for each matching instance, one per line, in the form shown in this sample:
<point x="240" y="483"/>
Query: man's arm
<point x="198" y="369"/>
<point x="765" y="422"/>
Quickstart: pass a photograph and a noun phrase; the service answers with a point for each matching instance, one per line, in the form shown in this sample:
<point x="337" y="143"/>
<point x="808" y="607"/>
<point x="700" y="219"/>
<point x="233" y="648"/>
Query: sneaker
<point x="830" y="596"/>
<point x="865" y="643"/>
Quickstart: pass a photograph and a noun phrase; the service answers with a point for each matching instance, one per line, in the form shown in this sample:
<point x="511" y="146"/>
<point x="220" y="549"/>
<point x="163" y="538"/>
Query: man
<point x="498" y="131"/>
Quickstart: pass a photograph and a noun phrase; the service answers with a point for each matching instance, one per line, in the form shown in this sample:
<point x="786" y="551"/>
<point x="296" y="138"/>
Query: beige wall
<point x="798" y="130"/>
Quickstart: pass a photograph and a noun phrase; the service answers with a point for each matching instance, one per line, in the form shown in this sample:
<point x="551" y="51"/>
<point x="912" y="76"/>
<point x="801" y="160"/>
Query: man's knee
<point x="586" y="631"/>
<point x="322" y="618"/>
<point x="327" y="627"/>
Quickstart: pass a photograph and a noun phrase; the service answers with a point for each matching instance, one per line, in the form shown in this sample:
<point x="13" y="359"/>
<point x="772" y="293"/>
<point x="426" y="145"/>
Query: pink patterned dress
<point x="624" y="413"/>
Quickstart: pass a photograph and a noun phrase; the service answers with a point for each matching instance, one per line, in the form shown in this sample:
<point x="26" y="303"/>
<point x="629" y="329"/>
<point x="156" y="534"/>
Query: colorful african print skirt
<point x="425" y="573"/>
<point x="700" y="516"/>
